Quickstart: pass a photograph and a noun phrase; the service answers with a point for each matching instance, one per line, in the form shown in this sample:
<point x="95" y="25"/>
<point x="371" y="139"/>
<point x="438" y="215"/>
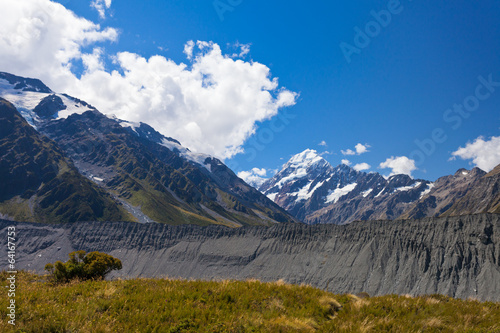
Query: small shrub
<point x="83" y="266"/>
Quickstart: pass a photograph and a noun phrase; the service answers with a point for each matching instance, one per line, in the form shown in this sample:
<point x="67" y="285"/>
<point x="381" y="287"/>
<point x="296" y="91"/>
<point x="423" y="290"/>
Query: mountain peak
<point x="307" y="157"/>
<point x="36" y="102"/>
<point x="305" y="164"/>
<point x="473" y="172"/>
<point x="25" y="84"/>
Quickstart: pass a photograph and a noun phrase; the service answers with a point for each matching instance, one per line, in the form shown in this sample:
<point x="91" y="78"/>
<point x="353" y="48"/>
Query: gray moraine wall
<point x="455" y="256"/>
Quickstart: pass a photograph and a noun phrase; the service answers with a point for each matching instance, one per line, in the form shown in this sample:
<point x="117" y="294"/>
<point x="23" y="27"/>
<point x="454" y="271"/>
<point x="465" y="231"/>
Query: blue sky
<point x="390" y="93"/>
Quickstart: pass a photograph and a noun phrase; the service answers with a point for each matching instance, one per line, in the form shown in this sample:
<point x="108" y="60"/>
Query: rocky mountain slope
<point x="153" y="177"/>
<point x="312" y="190"/>
<point x="482" y="197"/>
<point x="38" y="183"/>
<point x="456" y="256"/>
<point x="446" y="191"/>
<point x="315" y="192"/>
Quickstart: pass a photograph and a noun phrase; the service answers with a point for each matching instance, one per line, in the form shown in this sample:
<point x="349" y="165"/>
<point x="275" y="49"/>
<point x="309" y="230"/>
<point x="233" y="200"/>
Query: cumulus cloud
<point x="361" y="149"/>
<point x="211" y="104"/>
<point x="101" y="6"/>
<point x="255" y="177"/>
<point x="40" y="38"/>
<point x="346" y="162"/>
<point x="361" y="166"/>
<point x="399" y="165"/>
<point x="358" y="150"/>
<point x="323" y="143"/>
<point x="485" y="154"/>
<point x="348" y="152"/>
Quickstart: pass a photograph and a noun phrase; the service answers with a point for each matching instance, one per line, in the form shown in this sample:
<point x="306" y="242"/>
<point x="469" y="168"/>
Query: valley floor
<point x="164" y="305"/>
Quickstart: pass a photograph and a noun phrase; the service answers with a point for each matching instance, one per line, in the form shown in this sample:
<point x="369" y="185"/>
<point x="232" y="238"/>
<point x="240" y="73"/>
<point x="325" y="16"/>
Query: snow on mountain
<point x="201" y="159"/>
<point x="312" y="190"/>
<point x="306" y="165"/>
<point x="37" y="103"/>
<point x="427" y="190"/>
<point x="335" y="195"/>
<point x="407" y="188"/>
<point x="147" y="132"/>
<point x="367" y="192"/>
<point x="144" y="173"/>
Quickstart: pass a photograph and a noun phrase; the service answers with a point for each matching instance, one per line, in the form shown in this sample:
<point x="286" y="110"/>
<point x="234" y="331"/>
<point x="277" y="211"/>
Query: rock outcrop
<point x="457" y="256"/>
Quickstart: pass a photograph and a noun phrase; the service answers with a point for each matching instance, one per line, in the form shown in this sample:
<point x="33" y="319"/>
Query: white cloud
<point x="40" y="38"/>
<point x="348" y="152"/>
<point x="346" y="162"/>
<point x="255" y="177"/>
<point x="484" y="154"/>
<point x="359" y="149"/>
<point x="323" y="143"/>
<point x="101" y="6"/>
<point x="93" y="62"/>
<point x="399" y="165"/>
<point x="211" y="104"/>
<point x="361" y="166"/>
<point x="244" y="49"/>
<point x="188" y="49"/>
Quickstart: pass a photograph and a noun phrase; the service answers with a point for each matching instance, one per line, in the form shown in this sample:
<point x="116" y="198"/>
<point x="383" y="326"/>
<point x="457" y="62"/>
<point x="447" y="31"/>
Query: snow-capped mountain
<point x="126" y="168"/>
<point x="61" y="160"/>
<point x="38" y="104"/>
<point x="299" y="177"/>
<point x="312" y="190"/>
<point x="315" y="192"/>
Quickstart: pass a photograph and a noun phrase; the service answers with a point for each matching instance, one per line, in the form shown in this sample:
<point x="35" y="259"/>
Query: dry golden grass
<point x="166" y="305"/>
<point x="295" y="324"/>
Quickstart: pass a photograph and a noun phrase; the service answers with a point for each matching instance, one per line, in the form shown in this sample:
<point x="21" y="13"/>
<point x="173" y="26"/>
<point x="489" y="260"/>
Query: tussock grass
<point x="165" y="305"/>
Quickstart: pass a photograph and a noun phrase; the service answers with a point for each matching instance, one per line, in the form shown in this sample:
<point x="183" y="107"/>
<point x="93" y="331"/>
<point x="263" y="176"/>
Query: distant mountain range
<point x="61" y="160"/>
<point x="315" y="192"/>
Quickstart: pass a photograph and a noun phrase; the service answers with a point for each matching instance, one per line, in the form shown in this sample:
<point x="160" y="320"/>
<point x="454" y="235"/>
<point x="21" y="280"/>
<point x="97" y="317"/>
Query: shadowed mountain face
<point x="151" y="176"/>
<point x="483" y="196"/>
<point x="40" y="184"/>
<point x="446" y="191"/>
<point x="155" y="178"/>
<point x="168" y="188"/>
<point x="25" y="84"/>
<point x="455" y="256"/>
<point x="315" y="192"/>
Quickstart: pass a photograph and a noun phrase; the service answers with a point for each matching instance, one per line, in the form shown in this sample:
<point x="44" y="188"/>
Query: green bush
<point x="83" y="266"/>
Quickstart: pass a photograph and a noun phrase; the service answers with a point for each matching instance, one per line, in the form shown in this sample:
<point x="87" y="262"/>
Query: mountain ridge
<point x="320" y="193"/>
<point x="152" y="176"/>
<point x="456" y="256"/>
<point x="40" y="183"/>
<point x="155" y="178"/>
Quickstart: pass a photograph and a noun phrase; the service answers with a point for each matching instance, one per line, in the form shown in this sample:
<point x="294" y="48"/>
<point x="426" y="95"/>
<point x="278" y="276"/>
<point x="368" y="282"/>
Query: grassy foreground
<point x="162" y="305"/>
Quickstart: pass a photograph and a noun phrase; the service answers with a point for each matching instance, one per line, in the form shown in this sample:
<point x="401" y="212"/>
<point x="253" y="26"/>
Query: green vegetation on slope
<point x="166" y="187"/>
<point x="162" y="305"/>
<point x="39" y="184"/>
